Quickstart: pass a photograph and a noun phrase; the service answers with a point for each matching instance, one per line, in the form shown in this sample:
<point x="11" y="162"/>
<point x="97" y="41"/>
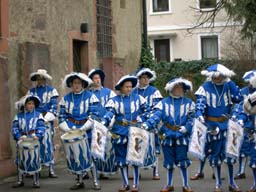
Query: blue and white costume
<point x="176" y="113"/>
<point x="104" y="94"/>
<point x="48" y="107"/>
<point x="75" y="109"/>
<point x="28" y="124"/>
<point x="248" y="125"/>
<point x="247" y="115"/>
<point x="126" y="109"/>
<point x="213" y="105"/>
<point x="152" y="96"/>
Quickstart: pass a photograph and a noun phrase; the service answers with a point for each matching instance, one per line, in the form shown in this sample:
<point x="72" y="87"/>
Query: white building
<point x="168" y="23"/>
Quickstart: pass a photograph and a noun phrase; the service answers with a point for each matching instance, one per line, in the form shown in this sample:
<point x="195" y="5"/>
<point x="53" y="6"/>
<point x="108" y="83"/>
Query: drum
<point x="29" y="156"/>
<point x="198" y="140"/>
<point x="77" y="151"/>
<point x="108" y="166"/>
<point x="138" y="141"/>
<point x="235" y="136"/>
<point x="99" y="140"/>
<point x="150" y="159"/>
<point x="46" y="147"/>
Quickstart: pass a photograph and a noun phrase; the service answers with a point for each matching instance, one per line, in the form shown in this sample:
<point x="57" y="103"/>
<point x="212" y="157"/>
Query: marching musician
<point x="247" y="117"/>
<point x="125" y="107"/>
<point x="152" y="96"/>
<point x="176" y="112"/>
<point x="75" y="109"/>
<point x="48" y="107"/>
<point x="28" y="123"/>
<point x="213" y="105"/>
<point x="97" y="76"/>
<point x="248" y="125"/>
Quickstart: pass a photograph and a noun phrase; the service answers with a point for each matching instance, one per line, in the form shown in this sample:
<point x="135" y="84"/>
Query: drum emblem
<point x="99" y="138"/>
<point x="138" y="144"/>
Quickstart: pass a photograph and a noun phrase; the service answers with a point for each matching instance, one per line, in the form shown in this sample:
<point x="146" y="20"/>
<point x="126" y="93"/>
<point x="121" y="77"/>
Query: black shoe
<point x="240" y="176"/>
<point x="86" y="176"/>
<point x="18" y="184"/>
<point x="77" y="186"/>
<point x="36" y="185"/>
<point x="197" y="176"/>
<point x="53" y="175"/>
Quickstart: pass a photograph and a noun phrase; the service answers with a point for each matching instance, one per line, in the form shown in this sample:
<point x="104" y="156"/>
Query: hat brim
<point x="34" y="75"/>
<point x="86" y="81"/>
<point x="33" y="98"/>
<point x="99" y="72"/>
<point x="187" y="85"/>
<point x="131" y="79"/>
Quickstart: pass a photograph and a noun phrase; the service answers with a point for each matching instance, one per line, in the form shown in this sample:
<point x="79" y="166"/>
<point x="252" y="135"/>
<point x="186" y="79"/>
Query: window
<point x="160" y="5"/>
<point x="209" y="47"/>
<point x="162" y="50"/>
<point x="207" y="4"/>
<point x="104" y="28"/>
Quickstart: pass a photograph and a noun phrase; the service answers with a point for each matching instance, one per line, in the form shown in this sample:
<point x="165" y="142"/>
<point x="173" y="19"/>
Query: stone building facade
<point x="62" y="36"/>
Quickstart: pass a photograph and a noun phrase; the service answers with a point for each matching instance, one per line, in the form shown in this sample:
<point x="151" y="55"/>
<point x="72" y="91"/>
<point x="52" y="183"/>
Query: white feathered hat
<point x="250" y="77"/>
<point x="23" y="100"/>
<point x="41" y="73"/>
<point x="70" y="77"/>
<point x="151" y="74"/>
<point x="187" y="85"/>
<point x="216" y="70"/>
<point x="125" y="78"/>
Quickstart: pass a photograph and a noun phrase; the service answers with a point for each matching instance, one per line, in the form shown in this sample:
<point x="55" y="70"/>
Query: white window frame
<point x="204" y="9"/>
<point x="160" y="12"/>
<point x="200" y="47"/>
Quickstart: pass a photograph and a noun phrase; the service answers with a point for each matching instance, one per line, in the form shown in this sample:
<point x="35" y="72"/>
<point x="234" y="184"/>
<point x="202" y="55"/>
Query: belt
<point x="216" y="119"/>
<point x="77" y="122"/>
<point x="172" y="127"/>
<point x="29" y="133"/>
<point x="126" y="123"/>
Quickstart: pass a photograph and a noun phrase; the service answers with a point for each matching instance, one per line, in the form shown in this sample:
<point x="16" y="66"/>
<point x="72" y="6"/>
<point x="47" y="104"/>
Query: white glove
<point x="144" y="126"/>
<point x="23" y="137"/>
<point x="182" y="129"/>
<point x="34" y="136"/>
<point x="201" y="119"/>
<point x="64" y="126"/>
<point x="240" y="122"/>
<point x="88" y="125"/>
<point x="215" y="131"/>
<point x="49" y="117"/>
<point x="73" y="128"/>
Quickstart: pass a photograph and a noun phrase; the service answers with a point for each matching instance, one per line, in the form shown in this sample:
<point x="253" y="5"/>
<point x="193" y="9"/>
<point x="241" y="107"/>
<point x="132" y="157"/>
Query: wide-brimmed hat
<point x="97" y="71"/>
<point x="248" y="75"/>
<point x="70" y="77"/>
<point x="151" y="74"/>
<point x="40" y="72"/>
<point x="216" y="70"/>
<point x="125" y="78"/>
<point x="23" y="100"/>
<point x="187" y="85"/>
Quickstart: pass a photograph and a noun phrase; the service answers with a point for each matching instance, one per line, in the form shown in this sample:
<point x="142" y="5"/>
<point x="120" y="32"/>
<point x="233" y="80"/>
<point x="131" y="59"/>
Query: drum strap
<point x="77" y="122"/>
<point x="126" y="123"/>
<point x="216" y="119"/>
<point x="29" y="132"/>
<point x="172" y="127"/>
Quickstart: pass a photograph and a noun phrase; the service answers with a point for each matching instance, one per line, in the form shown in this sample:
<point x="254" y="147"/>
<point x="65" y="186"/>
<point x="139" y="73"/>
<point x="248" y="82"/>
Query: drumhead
<point x="74" y="135"/>
<point x="29" y="143"/>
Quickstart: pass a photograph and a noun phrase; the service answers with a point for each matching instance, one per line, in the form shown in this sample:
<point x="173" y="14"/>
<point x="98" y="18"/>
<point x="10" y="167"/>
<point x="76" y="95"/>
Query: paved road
<point x="66" y="180"/>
